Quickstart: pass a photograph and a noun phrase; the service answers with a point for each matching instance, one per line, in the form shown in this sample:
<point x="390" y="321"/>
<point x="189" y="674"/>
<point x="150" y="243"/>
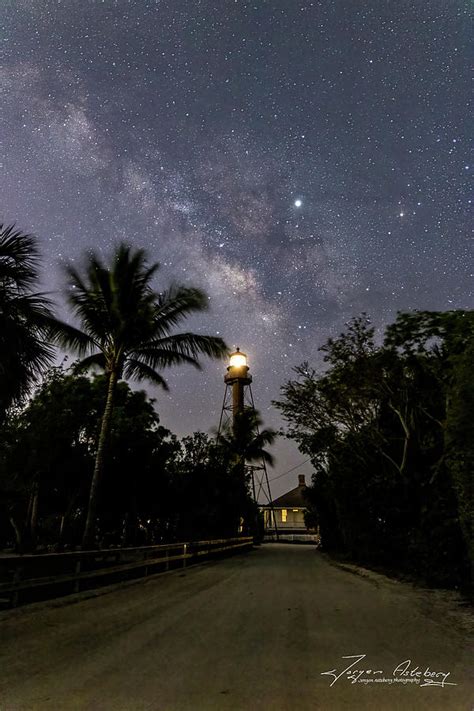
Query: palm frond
<point x="162" y="358"/>
<point x="87" y="301"/>
<point x="137" y="370"/>
<point x="267" y="457"/>
<point x="188" y="344"/>
<point x="25" y="305"/>
<point x="242" y="438"/>
<point x="24" y="318"/>
<point x="18" y="258"/>
<point x="24" y="354"/>
<point x="96" y="360"/>
<point x="127" y="321"/>
<point x="70" y="337"/>
<point x="175" y="304"/>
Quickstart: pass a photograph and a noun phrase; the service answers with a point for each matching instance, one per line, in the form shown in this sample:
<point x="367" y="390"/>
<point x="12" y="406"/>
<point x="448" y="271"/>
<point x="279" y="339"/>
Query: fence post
<point x="167" y="564"/>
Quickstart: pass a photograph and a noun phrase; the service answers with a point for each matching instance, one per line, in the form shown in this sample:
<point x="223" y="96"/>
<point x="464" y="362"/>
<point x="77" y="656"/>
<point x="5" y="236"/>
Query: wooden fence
<point x="29" y="578"/>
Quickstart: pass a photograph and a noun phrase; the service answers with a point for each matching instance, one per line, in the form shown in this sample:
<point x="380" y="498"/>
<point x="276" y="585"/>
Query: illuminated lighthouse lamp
<point x="238" y="370"/>
<point x="238" y="378"/>
<point x="237" y="359"/>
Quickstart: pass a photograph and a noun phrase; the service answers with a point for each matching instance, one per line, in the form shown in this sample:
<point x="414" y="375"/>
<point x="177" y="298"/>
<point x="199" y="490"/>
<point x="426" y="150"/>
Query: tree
<point x="136" y="480"/>
<point x="26" y="318"/>
<point x="47" y="459"/>
<point x="47" y="455"/>
<point x="445" y="341"/>
<point x="459" y="442"/>
<point x="389" y="432"/>
<point x="127" y="330"/>
<point x="244" y="441"/>
<point x="209" y="498"/>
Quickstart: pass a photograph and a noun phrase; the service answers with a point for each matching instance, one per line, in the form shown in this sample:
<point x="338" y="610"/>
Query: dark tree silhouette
<point x="127" y="330"/>
<point x="26" y="318"/>
<point x="390" y="434"/>
<point x="244" y="440"/>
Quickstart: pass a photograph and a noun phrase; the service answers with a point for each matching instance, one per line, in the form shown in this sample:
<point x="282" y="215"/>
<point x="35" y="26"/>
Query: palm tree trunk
<point x="89" y="530"/>
<point x="18" y="534"/>
<point x="33" y="522"/>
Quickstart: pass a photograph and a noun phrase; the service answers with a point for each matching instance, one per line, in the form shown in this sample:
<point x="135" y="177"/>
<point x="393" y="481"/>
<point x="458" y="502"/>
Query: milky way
<point x="301" y="161"/>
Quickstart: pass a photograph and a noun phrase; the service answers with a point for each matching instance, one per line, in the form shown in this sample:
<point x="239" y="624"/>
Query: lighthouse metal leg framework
<point x="238" y="397"/>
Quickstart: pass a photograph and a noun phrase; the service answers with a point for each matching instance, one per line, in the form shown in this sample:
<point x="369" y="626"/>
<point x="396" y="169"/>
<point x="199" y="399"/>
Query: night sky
<point x="301" y="161"/>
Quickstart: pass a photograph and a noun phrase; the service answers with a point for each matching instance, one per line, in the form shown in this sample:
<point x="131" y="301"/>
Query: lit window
<point x="283" y="515"/>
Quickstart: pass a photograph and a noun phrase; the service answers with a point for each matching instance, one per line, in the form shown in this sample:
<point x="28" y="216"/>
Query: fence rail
<point x="30" y="578"/>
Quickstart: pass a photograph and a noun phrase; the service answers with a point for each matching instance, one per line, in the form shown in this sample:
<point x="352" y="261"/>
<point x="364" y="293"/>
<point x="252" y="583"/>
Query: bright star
<point x="298" y="203"/>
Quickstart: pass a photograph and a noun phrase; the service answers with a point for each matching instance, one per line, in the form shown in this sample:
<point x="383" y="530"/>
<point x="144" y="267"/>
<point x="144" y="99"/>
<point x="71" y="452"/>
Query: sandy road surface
<point x="253" y="632"/>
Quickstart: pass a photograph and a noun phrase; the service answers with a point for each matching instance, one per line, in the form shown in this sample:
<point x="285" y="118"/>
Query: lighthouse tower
<point x="238" y="397"/>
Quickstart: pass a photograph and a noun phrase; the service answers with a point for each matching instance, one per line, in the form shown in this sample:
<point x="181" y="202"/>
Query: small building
<point x="284" y="518"/>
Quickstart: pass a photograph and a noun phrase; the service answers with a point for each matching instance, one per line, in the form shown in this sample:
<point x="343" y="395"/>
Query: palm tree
<point x="127" y="331"/>
<point x="26" y="318"/>
<point x="244" y="441"/>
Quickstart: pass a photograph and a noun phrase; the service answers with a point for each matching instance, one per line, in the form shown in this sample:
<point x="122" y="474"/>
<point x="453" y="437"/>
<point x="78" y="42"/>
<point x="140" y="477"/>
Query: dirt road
<point x="253" y="632"/>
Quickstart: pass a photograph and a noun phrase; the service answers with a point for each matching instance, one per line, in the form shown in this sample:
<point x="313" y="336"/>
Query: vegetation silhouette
<point x="387" y="426"/>
<point x="244" y="439"/>
<point x="26" y="318"/>
<point x="391" y="440"/>
<point x="127" y="331"/>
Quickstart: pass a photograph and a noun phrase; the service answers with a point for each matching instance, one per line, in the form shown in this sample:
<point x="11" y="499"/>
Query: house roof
<point x="292" y="499"/>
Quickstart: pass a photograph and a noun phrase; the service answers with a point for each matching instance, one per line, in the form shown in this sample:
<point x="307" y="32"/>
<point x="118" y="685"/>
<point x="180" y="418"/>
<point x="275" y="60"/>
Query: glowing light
<point x="298" y="202"/>
<point x="237" y="359"/>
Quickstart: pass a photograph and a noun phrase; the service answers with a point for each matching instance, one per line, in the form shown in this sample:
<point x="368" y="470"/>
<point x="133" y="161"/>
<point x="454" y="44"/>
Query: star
<point x="298" y="202"/>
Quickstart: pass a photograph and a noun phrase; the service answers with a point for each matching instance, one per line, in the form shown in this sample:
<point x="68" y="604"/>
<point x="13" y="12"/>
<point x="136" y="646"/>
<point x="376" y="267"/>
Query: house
<point x="287" y="512"/>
